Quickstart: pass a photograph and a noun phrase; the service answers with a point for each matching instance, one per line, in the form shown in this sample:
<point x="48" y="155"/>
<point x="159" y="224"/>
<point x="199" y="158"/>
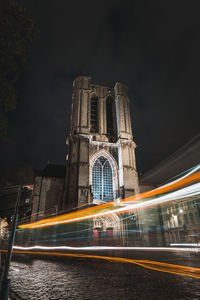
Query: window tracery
<point x="102" y="180"/>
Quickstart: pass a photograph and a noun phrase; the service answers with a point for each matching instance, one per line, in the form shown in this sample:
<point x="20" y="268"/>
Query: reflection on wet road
<point x="149" y="264"/>
<point x="77" y="279"/>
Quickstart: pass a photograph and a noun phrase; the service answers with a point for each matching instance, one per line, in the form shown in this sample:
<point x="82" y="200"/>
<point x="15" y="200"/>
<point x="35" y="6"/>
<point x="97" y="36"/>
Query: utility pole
<point x="6" y="282"/>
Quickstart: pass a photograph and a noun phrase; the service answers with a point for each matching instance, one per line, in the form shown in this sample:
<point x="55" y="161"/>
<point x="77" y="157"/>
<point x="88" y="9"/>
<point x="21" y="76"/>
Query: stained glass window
<point x="97" y="180"/>
<point x="107" y="181"/>
<point x="102" y="180"/>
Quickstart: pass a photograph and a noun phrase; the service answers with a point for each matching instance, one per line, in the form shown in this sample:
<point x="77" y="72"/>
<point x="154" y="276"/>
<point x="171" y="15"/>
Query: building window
<point x="186" y="219"/>
<point x="191" y="216"/>
<point x="109" y="115"/>
<point x="102" y="180"/>
<point x="93" y="114"/>
<point x="179" y="221"/>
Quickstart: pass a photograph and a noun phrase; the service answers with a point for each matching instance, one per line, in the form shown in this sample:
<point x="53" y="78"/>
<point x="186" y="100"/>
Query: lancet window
<point x="102" y="180"/>
<point x="109" y="115"/>
<point x="94" y="114"/>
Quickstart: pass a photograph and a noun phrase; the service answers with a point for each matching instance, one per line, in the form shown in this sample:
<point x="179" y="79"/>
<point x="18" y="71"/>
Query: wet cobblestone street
<point x="78" y="279"/>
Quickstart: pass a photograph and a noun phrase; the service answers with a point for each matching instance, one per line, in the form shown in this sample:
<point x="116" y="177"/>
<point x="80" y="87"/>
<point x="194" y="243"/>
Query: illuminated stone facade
<point x="101" y="165"/>
<point x="101" y="162"/>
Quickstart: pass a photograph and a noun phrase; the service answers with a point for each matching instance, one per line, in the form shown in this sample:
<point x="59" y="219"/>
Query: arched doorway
<point x="107" y="230"/>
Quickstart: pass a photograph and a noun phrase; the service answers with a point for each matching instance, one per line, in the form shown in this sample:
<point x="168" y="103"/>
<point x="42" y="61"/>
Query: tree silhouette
<point x="17" y="30"/>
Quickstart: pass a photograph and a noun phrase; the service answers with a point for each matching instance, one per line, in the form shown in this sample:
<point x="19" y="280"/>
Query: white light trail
<point x="99" y="248"/>
<point x="185" y="245"/>
<point x="185" y="192"/>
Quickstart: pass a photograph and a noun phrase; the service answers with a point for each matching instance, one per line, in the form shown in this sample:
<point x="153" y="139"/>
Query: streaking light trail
<point x="153" y="265"/>
<point x="95" y="248"/>
<point x="180" y="214"/>
<point x="188" y="191"/>
<point x="114" y="207"/>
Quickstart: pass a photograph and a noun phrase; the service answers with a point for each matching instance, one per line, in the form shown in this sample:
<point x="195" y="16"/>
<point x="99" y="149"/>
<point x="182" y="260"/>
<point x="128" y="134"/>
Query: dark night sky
<point x="152" y="46"/>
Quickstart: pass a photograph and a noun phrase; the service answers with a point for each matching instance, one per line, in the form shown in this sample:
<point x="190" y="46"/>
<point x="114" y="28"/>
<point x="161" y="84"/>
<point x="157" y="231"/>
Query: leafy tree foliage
<point x="16" y="34"/>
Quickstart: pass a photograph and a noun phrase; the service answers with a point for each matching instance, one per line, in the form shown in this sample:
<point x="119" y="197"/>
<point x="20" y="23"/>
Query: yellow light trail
<point x="153" y="265"/>
<point x="103" y="209"/>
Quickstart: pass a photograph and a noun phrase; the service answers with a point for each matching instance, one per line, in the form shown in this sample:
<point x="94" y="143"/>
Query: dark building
<point x="179" y="219"/>
<point x="48" y="191"/>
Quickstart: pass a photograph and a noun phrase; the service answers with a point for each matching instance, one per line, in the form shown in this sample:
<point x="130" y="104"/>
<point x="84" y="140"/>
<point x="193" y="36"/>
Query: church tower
<point x="101" y="163"/>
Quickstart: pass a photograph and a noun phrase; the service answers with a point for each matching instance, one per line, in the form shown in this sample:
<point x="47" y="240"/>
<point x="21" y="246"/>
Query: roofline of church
<point x="107" y="86"/>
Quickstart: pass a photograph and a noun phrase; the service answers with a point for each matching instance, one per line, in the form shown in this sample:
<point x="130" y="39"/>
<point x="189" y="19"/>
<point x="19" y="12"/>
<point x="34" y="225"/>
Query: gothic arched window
<point x="93" y="114"/>
<point x="102" y="180"/>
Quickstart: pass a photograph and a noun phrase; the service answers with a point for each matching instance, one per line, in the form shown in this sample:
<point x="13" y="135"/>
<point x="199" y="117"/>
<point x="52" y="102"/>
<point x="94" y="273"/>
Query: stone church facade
<point x="101" y="167"/>
<point x="101" y="164"/>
